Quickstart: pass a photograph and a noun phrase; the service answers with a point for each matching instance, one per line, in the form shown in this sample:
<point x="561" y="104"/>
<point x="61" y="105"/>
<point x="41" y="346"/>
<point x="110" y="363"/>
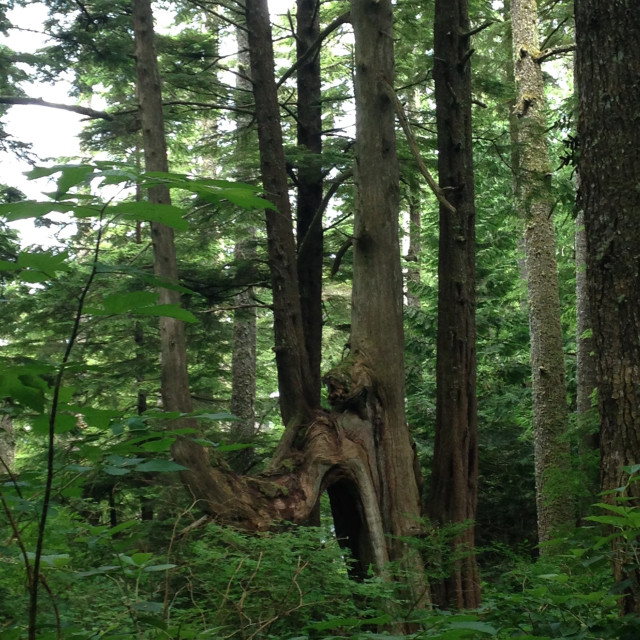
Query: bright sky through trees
<point x="51" y="132"/>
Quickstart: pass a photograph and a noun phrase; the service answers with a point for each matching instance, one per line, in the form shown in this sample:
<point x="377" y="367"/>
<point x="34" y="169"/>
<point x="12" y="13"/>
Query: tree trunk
<point x="7" y="444"/>
<point x="310" y="185"/>
<point x="296" y="393"/>
<point x="587" y="415"/>
<point x="454" y="479"/>
<point x="243" y="363"/>
<point x="608" y="69"/>
<point x="554" y="506"/>
<point x="377" y="334"/>
<point x="361" y="452"/>
<point x="414" y="200"/>
<point x="174" y="376"/>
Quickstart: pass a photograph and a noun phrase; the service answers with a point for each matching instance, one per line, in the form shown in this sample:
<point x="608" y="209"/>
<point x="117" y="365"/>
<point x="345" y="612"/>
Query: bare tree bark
<point x="310" y="187"/>
<point x="454" y="479"/>
<point x="377" y="334"/>
<point x="554" y="506"/>
<point x="608" y="69"/>
<point x="294" y="376"/>
<point x="245" y="331"/>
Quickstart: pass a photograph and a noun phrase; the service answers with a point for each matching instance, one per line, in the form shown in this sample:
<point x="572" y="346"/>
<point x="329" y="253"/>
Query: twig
<point x="478" y="29"/>
<point x="33" y="599"/>
<point x="335" y="185"/>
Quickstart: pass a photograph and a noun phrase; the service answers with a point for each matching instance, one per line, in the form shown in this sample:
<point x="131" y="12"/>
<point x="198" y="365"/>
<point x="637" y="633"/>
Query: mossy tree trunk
<point x="533" y="176"/>
<point x="245" y="326"/>
<point x="608" y="69"/>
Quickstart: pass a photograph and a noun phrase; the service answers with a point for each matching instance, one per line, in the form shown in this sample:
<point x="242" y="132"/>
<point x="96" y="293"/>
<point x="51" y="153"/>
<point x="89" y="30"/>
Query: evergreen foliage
<point x="125" y="553"/>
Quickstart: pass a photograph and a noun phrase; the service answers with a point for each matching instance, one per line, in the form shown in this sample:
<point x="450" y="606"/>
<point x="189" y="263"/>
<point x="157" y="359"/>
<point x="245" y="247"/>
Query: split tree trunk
<point x="608" y="69"/>
<point x="554" y="506"/>
<point x="454" y="480"/>
<point x="362" y="451"/>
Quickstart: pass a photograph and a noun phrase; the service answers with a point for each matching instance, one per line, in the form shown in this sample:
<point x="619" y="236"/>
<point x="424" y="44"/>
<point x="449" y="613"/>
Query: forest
<point x="336" y="329"/>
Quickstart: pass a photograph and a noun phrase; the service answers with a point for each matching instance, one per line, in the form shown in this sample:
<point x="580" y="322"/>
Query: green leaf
<point x="30" y="209"/>
<point x="71" y="175"/>
<point x="140" y="558"/>
<point x="115" y="471"/>
<point x="615" y="521"/>
<point x="159" y="567"/>
<point x="168" y="311"/>
<point x="233" y="447"/>
<point x="157" y="446"/>
<point x="214" y="417"/>
<point x="46" y="261"/>
<point x="161" y="466"/>
<point x="23" y="389"/>
<point x="474" y="625"/>
<point x="166" y="214"/>
<point x="56" y="560"/>
<point x="98" y="571"/>
<point x="5" y="265"/>
<point x="64" y="423"/>
<point x="122" y="302"/>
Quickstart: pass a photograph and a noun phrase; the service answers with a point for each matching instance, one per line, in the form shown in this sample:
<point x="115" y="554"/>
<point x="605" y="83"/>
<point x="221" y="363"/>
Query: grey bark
<point x="554" y="506"/>
<point x="243" y="364"/>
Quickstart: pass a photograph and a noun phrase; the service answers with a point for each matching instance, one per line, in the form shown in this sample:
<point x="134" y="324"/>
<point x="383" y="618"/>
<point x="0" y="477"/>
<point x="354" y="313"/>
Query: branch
<point x="341" y="253"/>
<point x="39" y="102"/>
<point x="413" y="145"/>
<point x="335" y="185"/>
<point x="554" y="51"/>
<point x="315" y="45"/>
<point x="478" y="29"/>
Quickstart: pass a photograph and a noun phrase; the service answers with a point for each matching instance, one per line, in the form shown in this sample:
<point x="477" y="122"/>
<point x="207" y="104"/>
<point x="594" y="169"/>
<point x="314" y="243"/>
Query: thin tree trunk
<point x="294" y="376"/>
<point x="454" y="478"/>
<point x="310" y="186"/>
<point x="415" y="224"/>
<point x="554" y="506"/>
<point x="608" y="69"/>
<point x="245" y="332"/>
<point x="586" y="383"/>
<point x="7" y="444"/>
<point x="174" y="376"/>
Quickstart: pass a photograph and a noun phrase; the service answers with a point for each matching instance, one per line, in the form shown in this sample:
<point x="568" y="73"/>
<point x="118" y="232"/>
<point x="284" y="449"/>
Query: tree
<point x="454" y="480"/>
<point x="310" y="185"/>
<point x="608" y="89"/>
<point x="533" y="177"/>
<point x="243" y="365"/>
